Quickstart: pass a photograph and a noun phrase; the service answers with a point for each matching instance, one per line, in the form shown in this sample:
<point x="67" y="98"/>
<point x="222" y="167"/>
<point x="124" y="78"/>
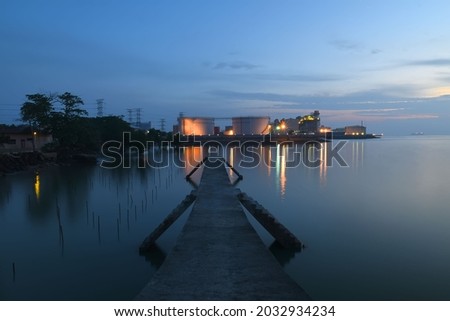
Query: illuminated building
<point x="251" y="125"/>
<point x="309" y="124"/>
<point x="355" y="130"/>
<point x="228" y="131"/>
<point x="324" y="129"/>
<point x="198" y="126"/>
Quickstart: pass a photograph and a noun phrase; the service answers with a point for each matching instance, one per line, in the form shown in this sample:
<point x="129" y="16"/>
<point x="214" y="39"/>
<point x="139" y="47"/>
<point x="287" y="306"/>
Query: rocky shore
<point x="15" y="162"/>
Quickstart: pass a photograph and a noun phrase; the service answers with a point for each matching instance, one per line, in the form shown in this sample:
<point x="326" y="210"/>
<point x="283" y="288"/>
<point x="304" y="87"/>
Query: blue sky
<point x="386" y="63"/>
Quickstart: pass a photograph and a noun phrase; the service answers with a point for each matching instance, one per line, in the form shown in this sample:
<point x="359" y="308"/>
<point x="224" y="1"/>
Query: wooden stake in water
<point x="14" y="271"/>
<point x="98" y="229"/>
<point x="120" y="214"/>
<point x="118" y="230"/>
<point x="60" y="228"/>
<point x="146" y="199"/>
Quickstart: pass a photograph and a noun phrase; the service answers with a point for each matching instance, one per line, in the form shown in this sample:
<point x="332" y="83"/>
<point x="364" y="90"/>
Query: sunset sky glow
<point x="386" y="63"/>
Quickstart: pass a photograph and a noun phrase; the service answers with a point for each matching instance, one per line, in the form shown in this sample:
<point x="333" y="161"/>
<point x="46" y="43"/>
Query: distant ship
<point x="417" y="133"/>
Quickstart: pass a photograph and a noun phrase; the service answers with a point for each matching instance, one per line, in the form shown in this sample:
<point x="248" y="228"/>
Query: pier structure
<point x="218" y="254"/>
<point x="236" y="140"/>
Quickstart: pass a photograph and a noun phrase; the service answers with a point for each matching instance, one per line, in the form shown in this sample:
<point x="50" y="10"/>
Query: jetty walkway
<point x="218" y="255"/>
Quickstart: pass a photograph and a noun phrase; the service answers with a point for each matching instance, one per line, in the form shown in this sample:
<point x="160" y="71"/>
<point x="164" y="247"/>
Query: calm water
<point x="377" y="229"/>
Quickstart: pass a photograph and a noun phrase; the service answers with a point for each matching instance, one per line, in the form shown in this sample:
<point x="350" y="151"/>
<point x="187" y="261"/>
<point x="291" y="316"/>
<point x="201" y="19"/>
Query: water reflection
<point x="191" y="156"/>
<point x="282" y="254"/>
<point x="323" y="168"/>
<point x="84" y="224"/>
<point x="37" y="185"/>
<point x="156" y="256"/>
<point x="281" y="167"/>
<point x="357" y="154"/>
<point x="265" y="159"/>
<point x="5" y="191"/>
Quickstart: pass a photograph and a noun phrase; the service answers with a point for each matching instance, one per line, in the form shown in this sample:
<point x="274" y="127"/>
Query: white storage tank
<point x="198" y="126"/>
<point x="252" y="125"/>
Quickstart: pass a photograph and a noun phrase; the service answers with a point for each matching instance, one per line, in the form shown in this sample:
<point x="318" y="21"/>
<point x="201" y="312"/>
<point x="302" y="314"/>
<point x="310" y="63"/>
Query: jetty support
<point x="281" y="234"/>
<point x="150" y="240"/>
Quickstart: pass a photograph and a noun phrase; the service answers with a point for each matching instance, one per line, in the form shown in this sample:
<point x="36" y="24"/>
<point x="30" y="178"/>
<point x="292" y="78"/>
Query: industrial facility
<point x="251" y="125"/>
<point x="351" y="130"/>
<point x="198" y="126"/>
<point x="201" y="126"/>
<point x="308" y="126"/>
<point x="310" y="123"/>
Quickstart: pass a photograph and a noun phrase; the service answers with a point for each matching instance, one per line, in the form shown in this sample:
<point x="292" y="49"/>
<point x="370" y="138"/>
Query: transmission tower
<point x="100" y="107"/>
<point x="162" y="122"/>
<point x="138" y="117"/>
<point x="130" y="115"/>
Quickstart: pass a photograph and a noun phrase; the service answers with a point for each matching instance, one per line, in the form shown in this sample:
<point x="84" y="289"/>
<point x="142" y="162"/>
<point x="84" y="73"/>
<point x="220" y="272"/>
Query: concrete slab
<point x="218" y="255"/>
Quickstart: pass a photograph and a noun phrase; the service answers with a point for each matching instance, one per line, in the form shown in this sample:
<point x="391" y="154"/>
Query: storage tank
<point x="196" y="125"/>
<point x="251" y="125"/>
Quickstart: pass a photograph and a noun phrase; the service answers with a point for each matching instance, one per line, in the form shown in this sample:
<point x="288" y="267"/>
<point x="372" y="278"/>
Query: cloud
<point x="376" y="51"/>
<point x="430" y="62"/>
<point x="354" y="99"/>
<point x="346" y="45"/>
<point x="355" y="115"/>
<point x="235" y="65"/>
<point x="368" y="106"/>
<point x="273" y="97"/>
<point x="299" y="77"/>
<point x="445" y="78"/>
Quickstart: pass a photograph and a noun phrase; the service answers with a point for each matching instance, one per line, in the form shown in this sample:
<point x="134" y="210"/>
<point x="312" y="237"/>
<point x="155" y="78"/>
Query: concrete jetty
<point x="218" y="255"/>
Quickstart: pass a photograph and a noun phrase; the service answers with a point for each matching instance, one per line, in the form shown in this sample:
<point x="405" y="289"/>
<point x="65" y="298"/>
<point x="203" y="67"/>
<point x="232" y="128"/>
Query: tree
<point x="70" y="106"/>
<point x="111" y="127"/>
<point x="68" y="126"/>
<point x="37" y="110"/>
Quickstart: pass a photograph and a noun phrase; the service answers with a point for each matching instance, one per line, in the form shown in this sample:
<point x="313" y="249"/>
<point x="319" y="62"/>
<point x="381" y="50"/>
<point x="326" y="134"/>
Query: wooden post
<point x="118" y="230"/>
<point x="98" y="229"/>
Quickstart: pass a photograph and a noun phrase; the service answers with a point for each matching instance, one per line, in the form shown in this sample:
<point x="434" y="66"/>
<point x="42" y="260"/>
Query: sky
<point x="386" y="63"/>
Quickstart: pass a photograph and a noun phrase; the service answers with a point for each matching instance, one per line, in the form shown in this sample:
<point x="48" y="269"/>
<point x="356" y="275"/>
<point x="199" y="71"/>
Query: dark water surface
<point x="377" y="229"/>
